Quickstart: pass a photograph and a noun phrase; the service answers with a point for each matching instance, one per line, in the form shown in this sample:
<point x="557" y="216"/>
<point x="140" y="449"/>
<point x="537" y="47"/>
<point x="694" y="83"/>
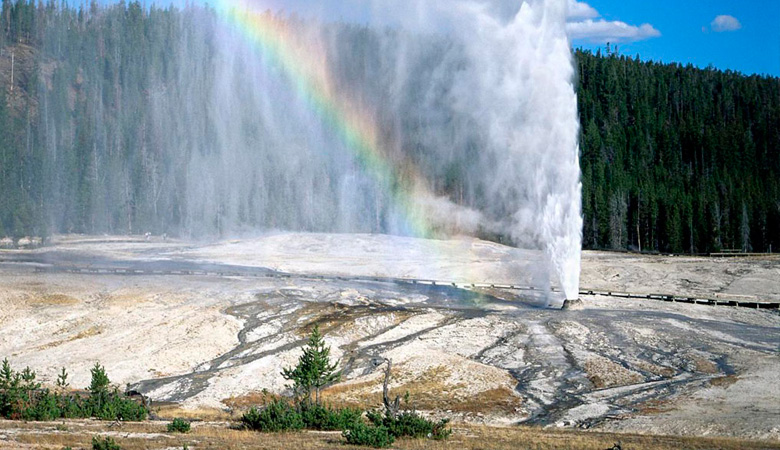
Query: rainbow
<point x="304" y="64"/>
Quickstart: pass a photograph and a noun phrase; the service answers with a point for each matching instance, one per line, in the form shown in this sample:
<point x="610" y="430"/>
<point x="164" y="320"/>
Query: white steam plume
<point x="473" y="98"/>
<point x="514" y="85"/>
<point x="487" y="85"/>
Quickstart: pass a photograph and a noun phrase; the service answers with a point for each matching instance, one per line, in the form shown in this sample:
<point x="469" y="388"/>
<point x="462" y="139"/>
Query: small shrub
<point x="105" y="443"/>
<point x="71" y="407"/>
<point x="318" y="417"/>
<point x="107" y="404"/>
<point x="278" y="415"/>
<point x="440" y="430"/>
<point x="411" y="424"/>
<point x="405" y="422"/>
<point x="41" y="405"/>
<point x="368" y="435"/>
<point x="62" y="379"/>
<point x="113" y="405"/>
<point x="21" y="397"/>
<point x="179" y="426"/>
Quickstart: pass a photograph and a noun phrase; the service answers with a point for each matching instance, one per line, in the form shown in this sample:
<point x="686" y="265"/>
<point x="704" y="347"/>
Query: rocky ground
<point x="480" y="356"/>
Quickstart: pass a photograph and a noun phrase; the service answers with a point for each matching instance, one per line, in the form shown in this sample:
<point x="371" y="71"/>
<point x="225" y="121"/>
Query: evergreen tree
<point x="314" y="370"/>
<point x="98" y="389"/>
<point x="100" y="382"/>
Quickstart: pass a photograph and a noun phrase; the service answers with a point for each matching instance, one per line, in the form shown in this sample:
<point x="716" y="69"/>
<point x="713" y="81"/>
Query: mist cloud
<point x="461" y="119"/>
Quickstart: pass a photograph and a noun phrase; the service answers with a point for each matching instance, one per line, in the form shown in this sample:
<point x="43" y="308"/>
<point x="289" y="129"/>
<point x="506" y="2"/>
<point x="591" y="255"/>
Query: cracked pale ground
<point x="216" y="341"/>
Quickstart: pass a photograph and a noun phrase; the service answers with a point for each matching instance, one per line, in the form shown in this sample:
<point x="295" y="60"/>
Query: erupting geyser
<point x="459" y="117"/>
<point x="519" y="91"/>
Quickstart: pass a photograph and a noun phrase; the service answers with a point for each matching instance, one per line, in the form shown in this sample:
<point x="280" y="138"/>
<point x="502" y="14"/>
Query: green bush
<point x="112" y="405"/>
<point x="21" y="397"/>
<point x="368" y="435"/>
<point x="412" y="424"/>
<point x="105" y="443"/>
<point x="107" y="404"/>
<point x="317" y="417"/>
<point x="18" y="391"/>
<point x="179" y="426"/>
<point x="42" y="405"/>
<point x="71" y="407"/>
<point x="277" y="415"/>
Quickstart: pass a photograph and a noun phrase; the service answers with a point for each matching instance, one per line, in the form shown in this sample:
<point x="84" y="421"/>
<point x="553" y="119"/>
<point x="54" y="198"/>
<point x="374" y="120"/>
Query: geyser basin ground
<point x="490" y="356"/>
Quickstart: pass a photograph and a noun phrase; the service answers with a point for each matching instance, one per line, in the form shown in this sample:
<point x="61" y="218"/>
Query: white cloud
<point x="581" y="10"/>
<point x="584" y="24"/>
<point x="725" y="23"/>
<point x="600" y="31"/>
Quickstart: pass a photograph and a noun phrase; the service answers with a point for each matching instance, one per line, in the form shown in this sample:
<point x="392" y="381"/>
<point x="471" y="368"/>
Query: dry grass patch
<point x="428" y="391"/>
<point x="537" y="438"/>
<point x="704" y="365"/>
<point x="354" y="394"/>
<point x="666" y="372"/>
<point x="655" y="406"/>
<point x="724" y="382"/>
<point x="89" y="332"/>
<point x="209" y="435"/>
<point x="604" y="373"/>
<point x="335" y="396"/>
<point x="427" y="386"/>
<point x="499" y="400"/>
<point x="170" y="412"/>
<point x="119" y="298"/>
<point x="246" y="401"/>
<point x="52" y="300"/>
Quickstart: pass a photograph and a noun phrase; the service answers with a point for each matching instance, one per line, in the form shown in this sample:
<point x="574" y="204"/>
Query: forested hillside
<point x="675" y="159"/>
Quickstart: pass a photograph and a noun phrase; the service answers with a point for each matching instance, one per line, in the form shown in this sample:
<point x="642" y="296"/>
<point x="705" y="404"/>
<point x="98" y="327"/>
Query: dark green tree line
<point x="674" y="159"/>
<point x="678" y="159"/>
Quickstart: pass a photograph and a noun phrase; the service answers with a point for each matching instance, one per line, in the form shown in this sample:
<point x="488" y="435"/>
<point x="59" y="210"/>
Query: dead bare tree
<point x="392" y="408"/>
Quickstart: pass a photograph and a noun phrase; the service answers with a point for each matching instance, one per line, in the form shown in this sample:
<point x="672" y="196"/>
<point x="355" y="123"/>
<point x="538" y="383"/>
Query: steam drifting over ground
<point x="453" y="120"/>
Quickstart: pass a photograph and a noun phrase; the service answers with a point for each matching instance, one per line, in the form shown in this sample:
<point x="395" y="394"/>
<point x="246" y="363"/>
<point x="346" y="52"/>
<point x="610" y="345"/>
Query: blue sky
<point x="747" y="41"/>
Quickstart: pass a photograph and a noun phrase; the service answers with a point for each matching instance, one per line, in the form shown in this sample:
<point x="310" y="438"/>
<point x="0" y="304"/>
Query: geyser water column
<point x="527" y="103"/>
<point x="506" y="74"/>
<point x="516" y="86"/>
